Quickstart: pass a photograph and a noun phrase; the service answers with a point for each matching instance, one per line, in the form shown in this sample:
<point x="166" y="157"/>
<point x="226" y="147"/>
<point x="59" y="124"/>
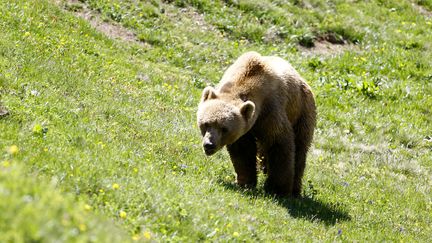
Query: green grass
<point x="108" y="149"/>
<point x="33" y="209"/>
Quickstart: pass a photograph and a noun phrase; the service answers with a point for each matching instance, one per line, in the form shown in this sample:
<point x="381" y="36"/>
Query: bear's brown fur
<point x="261" y="104"/>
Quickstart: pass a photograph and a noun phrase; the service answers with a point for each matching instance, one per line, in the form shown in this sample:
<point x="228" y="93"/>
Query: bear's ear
<point x="208" y="93"/>
<point x="247" y="110"/>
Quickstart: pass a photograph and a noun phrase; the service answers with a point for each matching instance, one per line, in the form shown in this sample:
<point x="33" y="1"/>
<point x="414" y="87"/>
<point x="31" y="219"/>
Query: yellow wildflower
<point x="6" y="163"/>
<point x="115" y="186"/>
<point x="236" y="234"/>
<point x="13" y="150"/>
<point x="82" y="227"/>
<point x="147" y="235"/>
<point x="122" y="214"/>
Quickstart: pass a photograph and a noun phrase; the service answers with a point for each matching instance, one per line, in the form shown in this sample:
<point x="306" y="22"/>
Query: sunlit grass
<point x="103" y="131"/>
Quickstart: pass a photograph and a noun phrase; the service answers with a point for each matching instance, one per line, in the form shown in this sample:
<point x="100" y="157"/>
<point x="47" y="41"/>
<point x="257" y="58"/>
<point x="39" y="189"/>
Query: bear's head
<point x="222" y="121"/>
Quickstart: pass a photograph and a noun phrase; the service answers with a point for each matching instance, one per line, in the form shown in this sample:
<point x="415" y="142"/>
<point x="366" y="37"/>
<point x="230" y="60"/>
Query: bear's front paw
<point x="246" y="182"/>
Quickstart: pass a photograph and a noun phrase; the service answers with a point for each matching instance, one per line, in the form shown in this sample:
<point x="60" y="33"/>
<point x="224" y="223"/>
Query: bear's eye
<point x="224" y="129"/>
<point x="206" y="125"/>
<point x="203" y="128"/>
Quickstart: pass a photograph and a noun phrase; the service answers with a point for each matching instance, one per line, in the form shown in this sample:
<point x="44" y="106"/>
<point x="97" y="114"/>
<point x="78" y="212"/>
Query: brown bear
<point x="261" y="104"/>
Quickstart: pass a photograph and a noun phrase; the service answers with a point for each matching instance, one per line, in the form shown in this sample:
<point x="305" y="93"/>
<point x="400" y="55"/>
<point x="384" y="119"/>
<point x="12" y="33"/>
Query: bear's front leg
<point x="281" y="165"/>
<point x="243" y="156"/>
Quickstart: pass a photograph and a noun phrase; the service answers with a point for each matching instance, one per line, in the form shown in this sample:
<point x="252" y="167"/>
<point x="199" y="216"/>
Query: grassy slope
<point x="113" y="123"/>
<point x="34" y="209"/>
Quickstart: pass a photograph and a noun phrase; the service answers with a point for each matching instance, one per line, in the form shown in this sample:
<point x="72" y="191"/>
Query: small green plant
<point x="306" y="40"/>
<point x="315" y="63"/>
<point x="368" y="88"/>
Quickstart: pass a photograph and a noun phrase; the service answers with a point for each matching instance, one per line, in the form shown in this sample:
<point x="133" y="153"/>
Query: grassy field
<point x="98" y="140"/>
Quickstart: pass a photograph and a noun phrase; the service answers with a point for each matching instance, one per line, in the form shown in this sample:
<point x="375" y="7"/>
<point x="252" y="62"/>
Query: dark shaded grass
<point x="305" y="207"/>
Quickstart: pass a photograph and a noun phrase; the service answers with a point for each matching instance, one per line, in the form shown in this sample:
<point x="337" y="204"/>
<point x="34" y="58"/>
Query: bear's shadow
<point x="306" y="207"/>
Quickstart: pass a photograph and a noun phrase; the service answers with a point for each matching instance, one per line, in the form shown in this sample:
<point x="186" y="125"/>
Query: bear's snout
<point x="209" y="148"/>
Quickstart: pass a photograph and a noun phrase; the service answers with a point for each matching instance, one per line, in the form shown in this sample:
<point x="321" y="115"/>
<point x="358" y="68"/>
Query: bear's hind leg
<point x="243" y="156"/>
<point x="300" y="164"/>
<point x="304" y="133"/>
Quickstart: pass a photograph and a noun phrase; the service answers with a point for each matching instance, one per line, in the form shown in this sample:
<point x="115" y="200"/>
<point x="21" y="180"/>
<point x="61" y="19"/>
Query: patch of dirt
<point x="422" y="10"/>
<point x="368" y="148"/>
<point x="327" y="44"/>
<point x="3" y="111"/>
<point x="198" y="19"/>
<point x="323" y="47"/>
<point x="110" y="29"/>
<point x="189" y="14"/>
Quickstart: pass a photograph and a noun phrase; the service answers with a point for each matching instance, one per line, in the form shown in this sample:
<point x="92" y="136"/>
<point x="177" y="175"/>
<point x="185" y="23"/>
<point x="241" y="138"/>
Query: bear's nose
<point x="209" y="146"/>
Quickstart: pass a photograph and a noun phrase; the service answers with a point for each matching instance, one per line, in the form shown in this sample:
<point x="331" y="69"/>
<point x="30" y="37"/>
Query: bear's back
<point x="250" y="73"/>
